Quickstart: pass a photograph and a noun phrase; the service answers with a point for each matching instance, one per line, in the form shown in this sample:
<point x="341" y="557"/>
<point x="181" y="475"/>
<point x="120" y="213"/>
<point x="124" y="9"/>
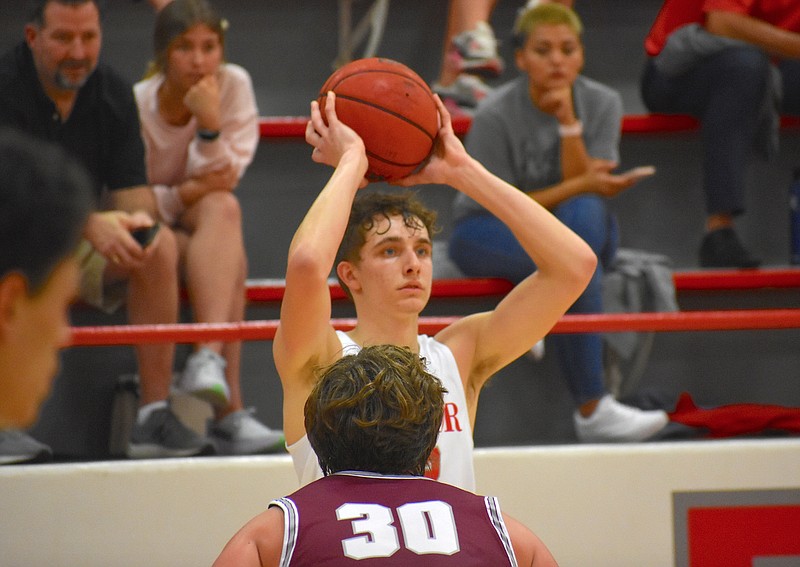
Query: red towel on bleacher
<point x="736" y="419"/>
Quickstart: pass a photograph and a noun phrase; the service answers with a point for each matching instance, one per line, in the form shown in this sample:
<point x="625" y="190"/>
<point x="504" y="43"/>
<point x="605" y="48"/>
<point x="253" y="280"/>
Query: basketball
<point x="391" y="108"/>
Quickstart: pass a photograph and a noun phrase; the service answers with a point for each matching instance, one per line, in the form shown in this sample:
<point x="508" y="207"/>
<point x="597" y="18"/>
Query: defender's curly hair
<point x="377" y="411"/>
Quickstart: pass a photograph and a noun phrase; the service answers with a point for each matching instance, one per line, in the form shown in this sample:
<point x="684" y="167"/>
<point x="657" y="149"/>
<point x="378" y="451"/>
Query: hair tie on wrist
<point x="570" y="130"/>
<point x="207" y="135"/>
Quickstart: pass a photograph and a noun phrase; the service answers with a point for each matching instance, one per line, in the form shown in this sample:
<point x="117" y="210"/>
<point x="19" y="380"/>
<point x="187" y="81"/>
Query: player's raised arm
<point x="305" y="337"/>
<point x="484" y="343"/>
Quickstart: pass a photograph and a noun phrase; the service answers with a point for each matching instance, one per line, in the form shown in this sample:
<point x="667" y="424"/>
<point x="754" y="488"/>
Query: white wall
<point x="593" y="505"/>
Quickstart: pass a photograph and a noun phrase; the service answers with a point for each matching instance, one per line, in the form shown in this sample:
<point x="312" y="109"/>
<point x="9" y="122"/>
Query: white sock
<point x="147" y="409"/>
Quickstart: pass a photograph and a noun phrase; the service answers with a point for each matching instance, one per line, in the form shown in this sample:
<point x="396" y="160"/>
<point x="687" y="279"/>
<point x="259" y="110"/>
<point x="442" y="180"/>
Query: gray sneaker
<point x="240" y="433"/>
<point x="204" y="377"/>
<point x="19" y="447"/>
<point x="163" y="435"/>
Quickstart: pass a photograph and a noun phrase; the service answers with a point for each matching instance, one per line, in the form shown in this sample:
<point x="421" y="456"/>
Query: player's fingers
<point x="312" y="136"/>
<point x="444" y="114"/>
<point x="317" y="123"/>
<point x="330" y="107"/>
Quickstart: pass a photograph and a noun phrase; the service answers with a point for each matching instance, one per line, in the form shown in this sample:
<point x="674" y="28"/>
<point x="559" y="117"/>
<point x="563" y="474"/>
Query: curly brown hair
<point x="368" y="208"/>
<point x="377" y="411"/>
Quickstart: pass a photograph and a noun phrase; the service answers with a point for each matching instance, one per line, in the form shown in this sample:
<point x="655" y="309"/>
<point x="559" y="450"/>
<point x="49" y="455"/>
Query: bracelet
<point x="571" y="130"/>
<point x="207" y="135"/>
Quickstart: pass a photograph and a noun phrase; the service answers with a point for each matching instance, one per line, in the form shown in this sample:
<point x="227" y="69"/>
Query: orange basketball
<point x="391" y="108"/>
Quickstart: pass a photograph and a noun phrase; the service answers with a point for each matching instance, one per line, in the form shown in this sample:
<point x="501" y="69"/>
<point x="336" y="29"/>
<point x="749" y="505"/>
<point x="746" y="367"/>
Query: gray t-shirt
<point x="520" y="144"/>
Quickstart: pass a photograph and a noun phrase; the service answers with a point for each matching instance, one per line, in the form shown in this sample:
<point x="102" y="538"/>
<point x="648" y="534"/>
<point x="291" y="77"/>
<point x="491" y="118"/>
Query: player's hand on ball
<point x="447" y="156"/>
<point x="332" y="140"/>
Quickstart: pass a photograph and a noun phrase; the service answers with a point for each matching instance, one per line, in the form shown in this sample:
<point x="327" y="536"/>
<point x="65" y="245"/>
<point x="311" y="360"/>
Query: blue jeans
<point x="726" y="92"/>
<point x="482" y="246"/>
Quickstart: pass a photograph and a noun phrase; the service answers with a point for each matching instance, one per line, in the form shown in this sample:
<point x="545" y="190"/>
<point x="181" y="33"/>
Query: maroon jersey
<point x="355" y="518"/>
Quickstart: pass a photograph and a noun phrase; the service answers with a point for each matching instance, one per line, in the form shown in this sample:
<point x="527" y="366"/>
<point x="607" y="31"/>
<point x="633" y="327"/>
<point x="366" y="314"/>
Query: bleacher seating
<point x="266" y="290"/>
<point x="295" y="126"/>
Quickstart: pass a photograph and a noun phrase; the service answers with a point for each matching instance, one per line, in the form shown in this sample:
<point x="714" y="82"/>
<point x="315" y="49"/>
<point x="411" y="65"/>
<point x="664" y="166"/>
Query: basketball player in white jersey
<point x="385" y="266"/>
<point x="373" y="419"/>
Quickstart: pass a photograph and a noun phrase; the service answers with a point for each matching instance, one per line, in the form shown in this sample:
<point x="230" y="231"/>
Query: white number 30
<point x="427" y="527"/>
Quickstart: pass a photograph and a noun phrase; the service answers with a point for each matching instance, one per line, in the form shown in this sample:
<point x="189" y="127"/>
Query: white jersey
<point x="451" y="460"/>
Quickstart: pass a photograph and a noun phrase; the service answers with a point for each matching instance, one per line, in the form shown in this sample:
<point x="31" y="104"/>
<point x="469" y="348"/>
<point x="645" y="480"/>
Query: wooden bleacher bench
<point x="295" y="126"/>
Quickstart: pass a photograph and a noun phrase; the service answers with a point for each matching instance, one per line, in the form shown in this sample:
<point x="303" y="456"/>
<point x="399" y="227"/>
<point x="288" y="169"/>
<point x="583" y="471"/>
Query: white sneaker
<point x="204" y="377"/>
<point x="467" y="90"/>
<point x="239" y="433"/>
<point x="616" y="422"/>
<point x="537" y="351"/>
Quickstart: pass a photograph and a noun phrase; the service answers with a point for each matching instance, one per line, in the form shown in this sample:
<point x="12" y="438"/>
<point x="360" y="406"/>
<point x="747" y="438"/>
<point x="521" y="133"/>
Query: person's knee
<point x="747" y="61"/>
<point x="742" y="72"/>
<point x="222" y="207"/>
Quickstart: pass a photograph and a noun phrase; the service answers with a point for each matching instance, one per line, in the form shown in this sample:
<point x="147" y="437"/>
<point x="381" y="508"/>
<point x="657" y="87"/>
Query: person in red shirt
<point x="373" y="419"/>
<point x="726" y="62"/>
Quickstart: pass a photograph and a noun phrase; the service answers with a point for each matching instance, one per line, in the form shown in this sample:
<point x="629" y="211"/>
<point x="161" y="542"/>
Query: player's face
<point x="396" y="266"/>
<point x="192" y="55"/>
<point x="552" y="56"/>
<point x="32" y="338"/>
<point x="67" y="47"/>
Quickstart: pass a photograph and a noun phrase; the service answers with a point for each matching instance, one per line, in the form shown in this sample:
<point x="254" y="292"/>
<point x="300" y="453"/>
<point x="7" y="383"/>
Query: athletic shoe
<point x="616" y="422"/>
<point x="466" y="90"/>
<point x="722" y="248"/>
<point x="163" y="435"/>
<point x="536" y="352"/>
<point x="475" y="51"/>
<point x="19" y="447"/>
<point x="240" y="433"/>
<point x="204" y="377"/>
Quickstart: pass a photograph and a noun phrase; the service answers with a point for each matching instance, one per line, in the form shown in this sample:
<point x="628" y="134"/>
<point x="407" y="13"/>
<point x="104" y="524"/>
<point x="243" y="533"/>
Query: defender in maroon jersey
<point x="373" y="419"/>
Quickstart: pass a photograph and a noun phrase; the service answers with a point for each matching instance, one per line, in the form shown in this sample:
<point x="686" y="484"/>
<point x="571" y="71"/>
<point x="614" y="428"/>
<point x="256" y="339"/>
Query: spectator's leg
<point x="153" y="298"/>
<point x="232" y="351"/>
<point x="581" y="355"/>
<point x="213" y="258"/>
<point x="726" y="92"/>
<point x="737" y="80"/>
<point x="790" y="71"/>
<point x="482" y="246"/>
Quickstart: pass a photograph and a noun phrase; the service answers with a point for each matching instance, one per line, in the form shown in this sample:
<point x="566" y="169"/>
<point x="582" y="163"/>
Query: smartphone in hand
<point x="640" y="172"/>
<point x="145" y="235"/>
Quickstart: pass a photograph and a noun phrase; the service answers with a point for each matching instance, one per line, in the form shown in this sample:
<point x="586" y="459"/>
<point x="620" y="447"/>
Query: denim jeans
<point x="725" y="91"/>
<point x="482" y="246"/>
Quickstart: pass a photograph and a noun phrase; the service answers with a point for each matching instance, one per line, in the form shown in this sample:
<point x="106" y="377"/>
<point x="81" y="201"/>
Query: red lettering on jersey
<point x="450" y="419"/>
<point x="433" y="466"/>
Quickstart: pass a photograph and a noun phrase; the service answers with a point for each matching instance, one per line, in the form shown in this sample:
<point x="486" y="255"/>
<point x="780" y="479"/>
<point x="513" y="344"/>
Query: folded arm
<point x="770" y="38"/>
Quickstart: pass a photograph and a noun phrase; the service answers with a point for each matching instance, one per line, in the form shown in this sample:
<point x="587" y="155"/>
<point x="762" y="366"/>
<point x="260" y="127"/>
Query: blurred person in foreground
<point x="45" y="198"/>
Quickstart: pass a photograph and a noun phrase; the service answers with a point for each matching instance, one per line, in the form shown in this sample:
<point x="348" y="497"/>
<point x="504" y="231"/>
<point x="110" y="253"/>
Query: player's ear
<point x="346" y="271"/>
<point x="13" y="289"/>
